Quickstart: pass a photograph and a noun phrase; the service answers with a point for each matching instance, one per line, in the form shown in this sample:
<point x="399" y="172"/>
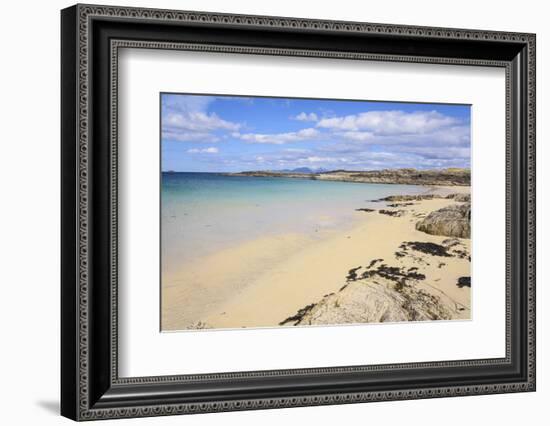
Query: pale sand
<point x="446" y="190"/>
<point x="262" y="282"/>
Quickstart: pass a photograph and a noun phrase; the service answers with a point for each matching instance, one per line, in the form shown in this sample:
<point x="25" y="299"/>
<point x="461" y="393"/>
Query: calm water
<point x="205" y="212"/>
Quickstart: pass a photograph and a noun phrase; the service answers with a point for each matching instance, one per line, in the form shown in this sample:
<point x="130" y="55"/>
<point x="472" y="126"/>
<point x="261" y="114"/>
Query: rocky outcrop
<point x="402" y="198"/>
<point x="461" y="198"/>
<point x="446" y="177"/>
<point x="404" y="288"/>
<point x="451" y="221"/>
<point x="419" y="197"/>
<point x="384" y="294"/>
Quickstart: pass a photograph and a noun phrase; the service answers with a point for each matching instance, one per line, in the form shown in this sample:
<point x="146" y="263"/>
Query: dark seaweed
<point x="428" y="248"/>
<point x="374" y="262"/>
<point x="464" y="282"/>
<point x="299" y="315"/>
<point x="462" y="254"/>
<point x="352" y="274"/>
<point x="398" y="275"/>
<point x="401" y="204"/>
<point x="393" y="213"/>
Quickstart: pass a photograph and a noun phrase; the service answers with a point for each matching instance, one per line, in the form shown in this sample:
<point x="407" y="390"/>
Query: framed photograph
<point x="263" y="212"/>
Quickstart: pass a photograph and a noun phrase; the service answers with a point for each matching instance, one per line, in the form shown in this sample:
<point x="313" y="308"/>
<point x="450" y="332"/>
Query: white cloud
<point x="296" y="150"/>
<point x="444" y="138"/>
<point x="362" y="141"/>
<point x="176" y="103"/>
<point x="441" y="152"/>
<point x="389" y="122"/>
<point x="358" y="136"/>
<point x="185" y="118"/>
<point x="304" y="116"/>
<point x="316" y="159"/>
<point x="189" y="136"/>
<point x="197" y="122"/>
<point x="210" y="150"/>
<point x="278" y="138"/>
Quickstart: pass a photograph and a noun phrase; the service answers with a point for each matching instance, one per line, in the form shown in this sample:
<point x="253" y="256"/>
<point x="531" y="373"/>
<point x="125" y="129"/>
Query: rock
<point x="450" y="221"/>
<point x="461" y="198"/>
<point x="358" y="303"/>
<point x="446" y="177"/>
<point x="405" y="199"/>
<point x="418" y="197"/>
<point x="393" y="213"/>
<point x="382" y="294"/>
<point x="374" y="300"/>
<point x="364" y="210"/>
<point x="450" y="242"/>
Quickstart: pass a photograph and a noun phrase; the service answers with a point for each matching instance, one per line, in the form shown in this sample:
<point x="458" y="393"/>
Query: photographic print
<point x="282" y="212"/>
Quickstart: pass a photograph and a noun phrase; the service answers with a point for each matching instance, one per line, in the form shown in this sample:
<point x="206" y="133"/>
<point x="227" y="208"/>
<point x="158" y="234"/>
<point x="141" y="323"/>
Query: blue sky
<point x="231" y="133"/>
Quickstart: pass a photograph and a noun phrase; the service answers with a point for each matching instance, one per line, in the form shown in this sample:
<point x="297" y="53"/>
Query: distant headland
<point x="406" y="176"/>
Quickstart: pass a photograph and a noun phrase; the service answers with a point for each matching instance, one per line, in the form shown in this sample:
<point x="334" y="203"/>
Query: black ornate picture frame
<point x="91" y="387"/>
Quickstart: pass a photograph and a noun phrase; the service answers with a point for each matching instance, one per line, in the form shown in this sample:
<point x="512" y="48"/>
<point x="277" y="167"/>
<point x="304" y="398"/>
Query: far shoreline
<point x="454" y="177"/>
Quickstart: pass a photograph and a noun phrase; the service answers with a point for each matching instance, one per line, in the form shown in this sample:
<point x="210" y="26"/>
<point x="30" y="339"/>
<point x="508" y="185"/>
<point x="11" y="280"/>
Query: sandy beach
<point x="292" y="279"/>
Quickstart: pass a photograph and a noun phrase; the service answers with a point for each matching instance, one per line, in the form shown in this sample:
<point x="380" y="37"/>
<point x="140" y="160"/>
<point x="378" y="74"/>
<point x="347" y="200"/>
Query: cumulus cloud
<point x="389" y="122"/>
<point x="185" y="118"/>
<point x="197" y="121"/>
<point x="278" y="138"/>
<point x="361" y="156"/>
<point x="304" y="116"/>
<point x="444" y="152"/>
<point x="185" y="103"/>
<point x="329" y="139"/>
<point x="189" y="136"/>
<point x="317" y="159"/>
<point x="358" y="136"/>
<point x="298" y="150"/>
<point x="355" y="141"/>
<point x="210" y="150"/>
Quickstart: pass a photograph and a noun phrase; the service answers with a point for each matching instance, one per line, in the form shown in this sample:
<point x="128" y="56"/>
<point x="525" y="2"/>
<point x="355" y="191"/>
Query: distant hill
<point x="300" y="170"/>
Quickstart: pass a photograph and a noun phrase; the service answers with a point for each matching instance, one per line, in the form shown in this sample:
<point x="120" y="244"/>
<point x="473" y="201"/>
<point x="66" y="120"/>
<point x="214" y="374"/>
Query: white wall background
<point x="29" y="212"/>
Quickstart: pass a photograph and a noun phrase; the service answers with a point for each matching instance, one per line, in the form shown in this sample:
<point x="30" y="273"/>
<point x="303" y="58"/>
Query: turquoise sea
<point x="205" y="212"/>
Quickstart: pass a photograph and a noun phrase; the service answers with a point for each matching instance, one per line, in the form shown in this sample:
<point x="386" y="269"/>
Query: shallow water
<point x="205" y="212"/>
